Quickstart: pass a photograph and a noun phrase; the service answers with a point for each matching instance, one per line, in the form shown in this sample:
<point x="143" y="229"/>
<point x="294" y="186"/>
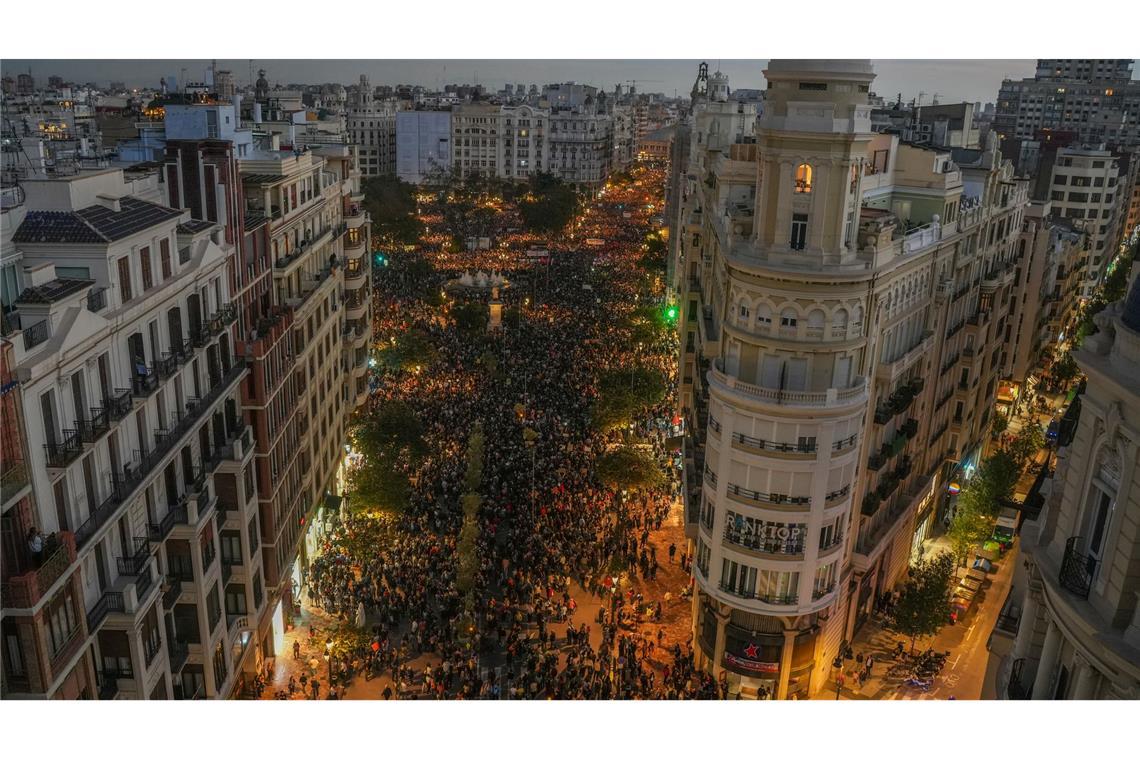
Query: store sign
<point x="754" y="666"/>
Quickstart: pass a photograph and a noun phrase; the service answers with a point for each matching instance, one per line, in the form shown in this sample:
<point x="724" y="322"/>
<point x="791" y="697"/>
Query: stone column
<point x="1087" y="678"/>
<point x="718" y="651"/>
<point x="786" y="663"/>
<point x="1027" y="627"/>
<point x="1048" y="662"/>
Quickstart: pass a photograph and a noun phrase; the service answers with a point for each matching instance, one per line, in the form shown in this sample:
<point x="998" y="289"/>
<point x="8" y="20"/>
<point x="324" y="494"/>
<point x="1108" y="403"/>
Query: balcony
<point x="802" y="450"/>
<point x="172" y="592"/>
<point x="37" y="334"/>
<point x="765" y="498"/>
<point x="832" y="397"/>
<point x="779" y="600"/>
<point x="92" y="429"/>
<point x="898" y="402"/>
<point x="1077" y="568"/>
<point x="179" y="652"/>
<point x="123" y="486"/>
<point x="111" y="601"/>
<point x="821" y="591"/>
<point x="891" y="370"/>
<point x="136" y="563"/>
<point x="763" y="544"/>
<point x="97" y="300"/>
<point x="142" y="385"/>
<point x="66" y="451"/>
<point x="24" y="591"/>
<point x="118" y="405"/>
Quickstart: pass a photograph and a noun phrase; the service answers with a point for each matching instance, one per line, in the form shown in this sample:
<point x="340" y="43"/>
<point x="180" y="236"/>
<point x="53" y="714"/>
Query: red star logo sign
<point x="751" y="651"/>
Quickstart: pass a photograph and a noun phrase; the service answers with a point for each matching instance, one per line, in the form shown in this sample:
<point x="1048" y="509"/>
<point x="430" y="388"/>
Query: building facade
<point x="372" y="128"/>
<point x="1079" y="630"/>
<point x="841" y="294"/>
<point x="423" y="144"/>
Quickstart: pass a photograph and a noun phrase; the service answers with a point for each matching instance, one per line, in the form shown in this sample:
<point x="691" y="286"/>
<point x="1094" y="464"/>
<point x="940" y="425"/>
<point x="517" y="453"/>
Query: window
<point x="235" y="600"/>
<point x="125" y="279"/>
<point x="213" y="609"/>
<point x="73" y="273"/>
<point x="799" y="231"/>
<point x="61" y="624"/>
<point x="164" y="255"/>
<point x="815" y="86"/>
<point x="144" y="261"/>
<point x="803" y="178"/>
<point x="788" y="318"/>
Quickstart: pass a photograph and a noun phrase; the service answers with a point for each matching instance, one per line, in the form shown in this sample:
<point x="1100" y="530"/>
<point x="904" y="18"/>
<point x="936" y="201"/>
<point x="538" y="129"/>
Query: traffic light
<point x="671" y="314"/>
<point x="379" y="259"/>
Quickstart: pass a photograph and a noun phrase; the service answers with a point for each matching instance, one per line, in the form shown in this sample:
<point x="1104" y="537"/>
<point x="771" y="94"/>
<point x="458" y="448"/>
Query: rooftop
<point x="194" y="226"/>
<point x="94" y="224"/>
<point x="55" y="290"/>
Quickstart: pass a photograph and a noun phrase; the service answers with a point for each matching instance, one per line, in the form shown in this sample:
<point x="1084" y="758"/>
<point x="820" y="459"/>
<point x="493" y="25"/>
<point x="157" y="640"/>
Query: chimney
<point x="237" y="110"/>
<point x="109" y="201"/>
<point x="256" y="113"/>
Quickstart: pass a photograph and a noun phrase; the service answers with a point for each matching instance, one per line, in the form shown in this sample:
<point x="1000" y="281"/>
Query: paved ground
<point x="970" y="670"/>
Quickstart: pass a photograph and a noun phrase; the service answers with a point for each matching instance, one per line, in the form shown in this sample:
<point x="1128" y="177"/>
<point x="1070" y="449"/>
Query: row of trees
<point x="993" y="484"/>
<point x="1114" y="288"/>
<point x="391" y="204"/>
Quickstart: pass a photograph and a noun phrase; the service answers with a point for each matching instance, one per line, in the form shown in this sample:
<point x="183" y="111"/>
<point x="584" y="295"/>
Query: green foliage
<point x="969" y="528"/>
<point x="470" y="318"/>
<point x="1029" y="440"/>
<point x="1000" y="423"/>
<point x="629" y="469"/>
<point x="412" y="350"/>
<point x="548" y="205"/>
<point x="980" y="502"/>
<point x="1113" y="289"/>
<point x="924" y="602"/>
<point x="389" y="441"/>
<point x="1065" y="370"/>
<point x="623" y="394"/>
<point x="391" y="204"/>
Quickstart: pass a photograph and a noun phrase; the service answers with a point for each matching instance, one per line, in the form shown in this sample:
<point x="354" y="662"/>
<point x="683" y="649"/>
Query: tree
<point x="1064" y="371"/>
<point x="1025" y="445"/>
<point x="630" y="469"/>
<point x="389" y="441"/>
<point x="924" y="603"/>
<point x="623" y="394"/>
<point x="470" y="318"/>
<point x="1000" y="423"/>
<point x="391" y="204"/>
<point x="548" y="205"/>
<point x="968" y="529"/>
<point x="411" y="351"/>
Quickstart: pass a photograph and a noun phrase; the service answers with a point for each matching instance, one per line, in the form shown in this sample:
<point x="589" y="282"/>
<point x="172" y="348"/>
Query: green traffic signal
<point x="671" y="313"/>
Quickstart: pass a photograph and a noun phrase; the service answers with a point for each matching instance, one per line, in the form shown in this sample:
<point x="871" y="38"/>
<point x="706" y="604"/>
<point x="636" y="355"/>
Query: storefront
<point x="924" y="520"/>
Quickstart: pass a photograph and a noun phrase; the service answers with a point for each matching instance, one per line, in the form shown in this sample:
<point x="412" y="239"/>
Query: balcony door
<point x="1101" y="507"/>
<point x="79" y="396"/>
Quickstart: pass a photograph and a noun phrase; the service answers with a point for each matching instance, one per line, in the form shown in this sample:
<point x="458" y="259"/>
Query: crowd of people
<point x="552" y="539"/>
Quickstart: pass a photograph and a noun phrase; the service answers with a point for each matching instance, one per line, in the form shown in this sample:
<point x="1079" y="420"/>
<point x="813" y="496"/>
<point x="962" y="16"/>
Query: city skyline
<point x="952" y="80"/>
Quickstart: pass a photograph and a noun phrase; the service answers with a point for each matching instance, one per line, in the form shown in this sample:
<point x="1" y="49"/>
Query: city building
<point x="1050" y="258"/>
<point x="1079" y="626"/>
<point x="1095" y="98"/>
<point x="372" y="128"/>
<point x="841" y="294"/>
<point x="1086" y="188"/>
<point x="131" y="402"/>
<point x="580" y="144"/>
<point x="945" y="126"/>
<point x="423" y="144"/>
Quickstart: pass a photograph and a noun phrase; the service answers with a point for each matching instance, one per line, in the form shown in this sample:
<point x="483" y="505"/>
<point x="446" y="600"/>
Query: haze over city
<point x="951" y="80"/>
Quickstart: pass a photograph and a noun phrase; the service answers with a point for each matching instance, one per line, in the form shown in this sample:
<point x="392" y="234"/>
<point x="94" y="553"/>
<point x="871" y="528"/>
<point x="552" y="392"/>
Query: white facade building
<point x="423" y="144"/>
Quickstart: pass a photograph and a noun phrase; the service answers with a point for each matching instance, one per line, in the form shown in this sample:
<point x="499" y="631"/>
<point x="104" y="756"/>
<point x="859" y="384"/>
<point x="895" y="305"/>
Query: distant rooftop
<point x="94" y="224"/>
<point x="194" y="226"/>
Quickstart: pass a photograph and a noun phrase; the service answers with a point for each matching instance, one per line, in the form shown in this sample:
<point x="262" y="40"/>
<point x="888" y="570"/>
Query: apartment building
<point x="1079" y="628"/>
<point x="1048" y="266"/>
<point x="372" y="128"/>
<point x="840" y="293"/>
<point x="131" y="398"/>
<point x="514" y="142"/>
<point x="309" y="349"/>
<point x="1087" y="188"/>
<point x="1096" y="99"/>
<point x="580" y="143"/>
<point x="267" y="268"/>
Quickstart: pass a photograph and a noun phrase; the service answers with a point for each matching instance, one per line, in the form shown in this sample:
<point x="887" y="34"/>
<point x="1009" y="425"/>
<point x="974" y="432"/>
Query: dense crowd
<point x="551" y="535"/>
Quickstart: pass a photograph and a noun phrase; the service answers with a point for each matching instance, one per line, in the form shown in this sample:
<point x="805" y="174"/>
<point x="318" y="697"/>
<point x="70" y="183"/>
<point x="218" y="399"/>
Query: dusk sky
<point x="952" y="80"/>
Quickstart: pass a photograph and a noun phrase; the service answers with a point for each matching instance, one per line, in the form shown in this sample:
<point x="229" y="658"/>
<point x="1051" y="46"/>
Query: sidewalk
<point x="967" y="668"/>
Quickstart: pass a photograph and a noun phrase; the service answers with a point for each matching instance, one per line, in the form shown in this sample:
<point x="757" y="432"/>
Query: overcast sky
<point x="953" y="80"/>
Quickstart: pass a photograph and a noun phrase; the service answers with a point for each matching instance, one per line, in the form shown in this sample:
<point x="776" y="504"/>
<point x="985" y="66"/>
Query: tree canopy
<point x="391" y="204"/>
<point x="389" y="441"/>
<point x="625" y="393"/>
<point x="548" y="205"/>
<point x="630" y="469"/>
<point x="470" y="318"/>
<point x="412" y="350"/>
<point x="924" y="602"/>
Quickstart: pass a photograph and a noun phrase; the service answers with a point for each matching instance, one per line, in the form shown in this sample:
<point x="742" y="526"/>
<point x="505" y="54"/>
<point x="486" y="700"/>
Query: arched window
<point x="803" y="178"/>
<point x="840" y="318"/>
<point x="763" y="315"/>
<point x="788" y="318"/>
